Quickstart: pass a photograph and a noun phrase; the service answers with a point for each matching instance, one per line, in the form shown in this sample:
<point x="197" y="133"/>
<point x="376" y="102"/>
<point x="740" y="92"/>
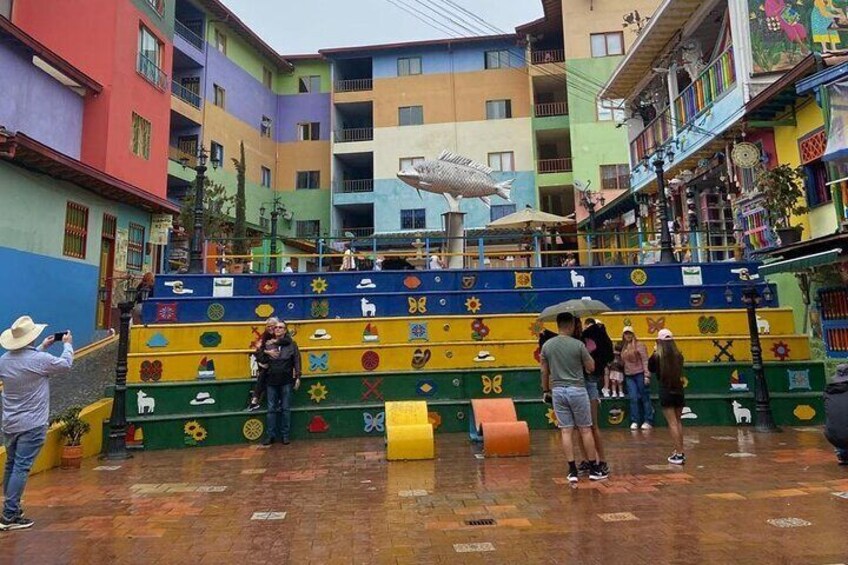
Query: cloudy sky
<point x="304" y="27"/>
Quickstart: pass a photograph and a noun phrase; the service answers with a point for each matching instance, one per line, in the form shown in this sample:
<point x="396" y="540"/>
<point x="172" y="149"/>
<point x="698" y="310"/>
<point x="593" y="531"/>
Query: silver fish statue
<point x="455" y="177"/>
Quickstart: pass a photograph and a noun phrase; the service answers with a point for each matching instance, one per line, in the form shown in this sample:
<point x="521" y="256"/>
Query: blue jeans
<point x="21" y="450"/>
<point x="641" y="409"/>
<point x="279" y="411"/>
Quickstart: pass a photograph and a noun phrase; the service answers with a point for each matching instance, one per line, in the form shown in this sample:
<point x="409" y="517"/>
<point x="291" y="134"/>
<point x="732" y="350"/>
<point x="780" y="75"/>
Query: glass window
<point x="607" y="44"/>
<point x="307" y="180"/>
<point x="307" y="228"/>
<point x="216" y="152"/>
<point x="411" y="115"/>
<point x="76" y="230"/>
<point x="267" y="77"/>
<point x="309" y="84"/>
<point x="409" y="162"/>
<point x="141" y="130"/>
<point x="266" y="177"/>
<point x="611" y="110"/>
<point x="498" y="109"/>
<point x="818" y="192"/>
<point x="414" y="219"/>
<point x="220" y="42"/>
<point x="504" y="161"/>
<point x="497" y="59"/>
<point x="498" y="211"/>
<point x="135" y="247"/>
<point x="220" y="96"/>
<point x="615" y="176"/>
<point x="309" y="131"/>
<point x="409" y="66"/>
<point x="149" y="56"/>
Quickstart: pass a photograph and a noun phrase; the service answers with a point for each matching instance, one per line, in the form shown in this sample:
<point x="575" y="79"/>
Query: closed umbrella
<point x="580" y="307"/>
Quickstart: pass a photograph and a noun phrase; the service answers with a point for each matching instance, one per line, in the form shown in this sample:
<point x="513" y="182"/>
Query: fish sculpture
<point x="455" y="177"/>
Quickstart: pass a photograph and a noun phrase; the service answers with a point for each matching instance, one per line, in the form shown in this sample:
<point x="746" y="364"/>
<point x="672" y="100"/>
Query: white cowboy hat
<point x="23" y="332"/>
<point x="320" y="333"/>
<point x="484" y="356"/>
<point x="366" y="283"/>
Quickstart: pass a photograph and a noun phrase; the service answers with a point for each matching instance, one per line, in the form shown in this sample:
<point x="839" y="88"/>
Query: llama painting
<point x="742" y="414"/>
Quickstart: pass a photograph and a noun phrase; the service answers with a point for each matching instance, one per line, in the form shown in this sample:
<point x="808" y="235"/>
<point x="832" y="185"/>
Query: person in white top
<point x="436" y="263"/>
<point x="288" y="268"/>
<point x="348" y="261"/>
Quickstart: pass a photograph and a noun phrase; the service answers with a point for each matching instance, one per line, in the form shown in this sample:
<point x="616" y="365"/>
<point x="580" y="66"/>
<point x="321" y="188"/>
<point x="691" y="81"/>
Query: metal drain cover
<point x="481" y="522"/>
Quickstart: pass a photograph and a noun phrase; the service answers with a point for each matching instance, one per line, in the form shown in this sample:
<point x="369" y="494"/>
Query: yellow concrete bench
<point x="409" y="433"/>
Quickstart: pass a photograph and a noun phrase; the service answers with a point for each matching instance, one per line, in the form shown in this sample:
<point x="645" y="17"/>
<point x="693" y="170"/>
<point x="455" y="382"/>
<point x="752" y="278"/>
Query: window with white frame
<point x="607" y="44"/>
<point x="266" y="177"/>
<point x="408" y="66"/>
<point x="309" y="131"/>
<point x="220" y="41"/>
<point x="503" y="161"/>
<point x="611" y="110"/>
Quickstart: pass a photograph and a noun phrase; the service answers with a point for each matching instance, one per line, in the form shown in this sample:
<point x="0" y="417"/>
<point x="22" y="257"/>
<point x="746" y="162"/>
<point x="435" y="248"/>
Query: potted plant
<point x="784" y="196"/>
<point x="72" y="429"/>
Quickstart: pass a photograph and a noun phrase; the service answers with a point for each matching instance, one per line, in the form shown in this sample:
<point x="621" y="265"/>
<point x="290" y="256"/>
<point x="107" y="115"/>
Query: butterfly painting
<point x="417" y="306"/>
<point x="319" y="362"/>
<point x="374" y="422"/>
<point x="493" y="384"/>
<point x="654" y="326"/>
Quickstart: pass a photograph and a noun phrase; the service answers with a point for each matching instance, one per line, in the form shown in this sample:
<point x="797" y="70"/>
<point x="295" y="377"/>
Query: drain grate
<point x="481" y="522"/>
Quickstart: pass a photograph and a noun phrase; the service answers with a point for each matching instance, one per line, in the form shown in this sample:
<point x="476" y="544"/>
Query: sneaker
<point x="605" y="392"/>
<point x="620" y="394"/>
<point x="647" y="426"/>
<point x="268" y="441"/>
<point x="634" y="426"/>
<point x="604" y="467"/>
<point x="286" y="441"/>
<point x="598" y="473"/>
<point x="677" y="458"/>
<point x="584" y="468"/>
<point x="253" y="406"/>
<point x="19" y="523"/>
<point x="573" y="477"/>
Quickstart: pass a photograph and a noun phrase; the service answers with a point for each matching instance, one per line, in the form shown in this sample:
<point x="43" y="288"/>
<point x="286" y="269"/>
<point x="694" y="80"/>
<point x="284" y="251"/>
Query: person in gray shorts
<point x="564" y="360"/>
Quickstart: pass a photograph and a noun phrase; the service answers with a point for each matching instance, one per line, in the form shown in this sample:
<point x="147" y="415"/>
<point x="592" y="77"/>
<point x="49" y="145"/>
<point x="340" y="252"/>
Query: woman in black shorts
<point x="667" y="363"/>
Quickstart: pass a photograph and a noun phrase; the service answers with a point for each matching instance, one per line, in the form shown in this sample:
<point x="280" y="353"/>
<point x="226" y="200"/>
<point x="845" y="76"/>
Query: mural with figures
<point x="785" y="31"/>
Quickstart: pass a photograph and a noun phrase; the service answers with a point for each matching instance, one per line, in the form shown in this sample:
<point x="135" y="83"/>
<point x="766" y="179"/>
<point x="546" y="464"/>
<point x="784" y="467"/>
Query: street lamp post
<point x="666" y="248"/>
<point x="276" y="210"/>
<point x="751" y="297"/>
<point x="589" y="200"/>
<point x="116" y="444"/>
<point x="196" y="254"/>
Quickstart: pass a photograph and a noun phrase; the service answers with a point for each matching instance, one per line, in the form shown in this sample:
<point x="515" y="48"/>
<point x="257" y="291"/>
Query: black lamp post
<point x="276" y="209"/>
<point x="196" y="255"/>
<point x="589" y="200"/>
<point x="666" y="247"/>
<point x="116" y="445"/>
<point x="751" y="297"/>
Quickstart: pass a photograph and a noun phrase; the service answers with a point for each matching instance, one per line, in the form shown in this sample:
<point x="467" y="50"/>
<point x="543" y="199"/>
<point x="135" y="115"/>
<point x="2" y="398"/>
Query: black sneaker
<point x="286" y="441"/>
<point x="604" y="467"/>
<point x="598" y="473"/>
<point x="19" y="523"/>
<point x="584" y="468"/>
<point x="573" y="477"/>
<point x="268" y="441"/>
<point x="252" y="407"/>
<point x="677" y="458"/>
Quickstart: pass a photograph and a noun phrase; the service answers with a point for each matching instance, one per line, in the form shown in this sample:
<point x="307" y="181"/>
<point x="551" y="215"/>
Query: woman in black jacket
<point x="667" y="363"/>
<point x="281" y="360"/>
<point x="836" y="413"/>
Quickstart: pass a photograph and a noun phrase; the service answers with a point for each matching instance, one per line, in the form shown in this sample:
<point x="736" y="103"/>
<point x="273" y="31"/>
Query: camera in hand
<point x="59" y="335"/>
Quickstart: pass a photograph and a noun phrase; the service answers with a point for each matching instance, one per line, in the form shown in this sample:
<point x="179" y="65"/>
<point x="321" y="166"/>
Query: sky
<point x="297" y="27"/>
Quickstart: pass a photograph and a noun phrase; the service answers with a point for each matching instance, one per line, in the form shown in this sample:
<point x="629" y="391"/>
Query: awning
<point x="801" y="263"/>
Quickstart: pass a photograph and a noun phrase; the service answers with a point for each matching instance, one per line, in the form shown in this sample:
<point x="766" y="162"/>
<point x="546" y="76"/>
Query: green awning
<point x="801" y="263"/>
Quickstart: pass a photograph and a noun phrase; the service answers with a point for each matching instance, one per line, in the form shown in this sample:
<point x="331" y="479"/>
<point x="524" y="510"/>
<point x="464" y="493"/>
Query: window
<point x="266" y="177"/>
<point x="220" y="96"/>
<point x="149" y="56"/>
<point x="265" y="126"/>
<point x="76" y="230"/>
<point x="615" y="176"/>
<point x="409" y="162"/>
<point x="818" y="192"/>
<point x="498" y="211"/>
<point x="414" y="219"/>
<point x="309" y="131"/>
<point x="216" y="152"/>
<point x="267" y="77"/>
<point x="140" y="136"/>
<point x="308" y="228"/>
<point x="607" y="44"/>
<point x="110" y="226"/>
<point x="309" y="84"/>
<point x="411" y="115"/>
<point x="158" y="5"/>
<point x="135" y="247"/>
<point x="220" y="41"/>
<point x="307" y="180"/>
<point x="611" y="110"/>
<point x="504" y="161"/>
<point x="498" y="109"/>
<point x="409" y="66"/>
<point x="497" y="59"/>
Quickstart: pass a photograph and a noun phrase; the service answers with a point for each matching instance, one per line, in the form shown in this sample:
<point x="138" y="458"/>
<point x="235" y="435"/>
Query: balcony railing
<point x="185" y="94"/>
<point x="350" y="186"/>
<point x="715" y="80"/>
<point x="547" y="56"/>
<point x="354" y="134"/>
<point x="182" y="157"/>
<point x="357" y="232"/>
<point x="151" y="71"/>
<point x="562" y="165"/>
<point x="549" y="109"/>
<point x="183" y="31"/>
<point x="655" y="134"/>
<point x="354" y="85"/>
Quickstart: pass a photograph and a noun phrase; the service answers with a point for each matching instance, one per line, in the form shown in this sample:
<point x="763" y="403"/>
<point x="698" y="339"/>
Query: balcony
<point x="547" y="166"/>
<point x="357" y="232"/>
<point x="719" y="77"/>
<point x="655" y="134"/>
<point x="354" y="85"/>
<point x="185" y="94"/>
<point x="550" y="109"/>
<point x="191" y="37"/>
<point x="547" y="56"/>
<point x="353" y="186"/>
<point x="354" y="134"/>
<point x="151" y="71"/>
<point x="182" y="157"/>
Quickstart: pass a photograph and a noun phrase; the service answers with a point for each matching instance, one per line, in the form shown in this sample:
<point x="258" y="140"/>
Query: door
<point x="107" y="268"/>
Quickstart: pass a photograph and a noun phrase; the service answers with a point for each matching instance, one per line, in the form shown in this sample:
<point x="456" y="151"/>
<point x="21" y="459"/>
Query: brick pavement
<point x="339" y="501"/>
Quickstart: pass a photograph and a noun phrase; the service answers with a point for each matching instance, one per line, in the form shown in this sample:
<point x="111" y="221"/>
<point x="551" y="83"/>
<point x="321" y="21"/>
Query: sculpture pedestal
<point x="455" y="232"/>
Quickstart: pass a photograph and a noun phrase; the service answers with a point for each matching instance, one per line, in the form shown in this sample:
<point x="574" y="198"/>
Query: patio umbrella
<point x="529" y="218"/>
<point x="580" y="307"/>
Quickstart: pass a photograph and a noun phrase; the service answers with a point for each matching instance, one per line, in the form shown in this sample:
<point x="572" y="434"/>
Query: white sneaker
<point x="634" y="426"/>
<point x="605" y="392"/>
<point x="620" y="394"/>
<point x="647" y="426"/>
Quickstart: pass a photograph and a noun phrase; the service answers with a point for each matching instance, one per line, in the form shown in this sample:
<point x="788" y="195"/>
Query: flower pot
<point x="71" y="457"/>
<point x="788" y="236"/>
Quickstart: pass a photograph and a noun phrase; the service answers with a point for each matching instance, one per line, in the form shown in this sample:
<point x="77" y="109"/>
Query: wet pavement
<point x="741" y="498"/>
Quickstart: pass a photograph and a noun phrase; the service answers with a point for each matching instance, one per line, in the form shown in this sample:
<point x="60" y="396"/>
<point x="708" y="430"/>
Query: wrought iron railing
<point x="151" y="71"/>
<point x="183" y="31"/>
<point x="185" y="94"/>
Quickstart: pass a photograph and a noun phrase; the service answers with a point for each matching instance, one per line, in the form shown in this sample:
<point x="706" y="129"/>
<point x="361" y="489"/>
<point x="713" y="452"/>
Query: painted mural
<point x="785" y="31"/>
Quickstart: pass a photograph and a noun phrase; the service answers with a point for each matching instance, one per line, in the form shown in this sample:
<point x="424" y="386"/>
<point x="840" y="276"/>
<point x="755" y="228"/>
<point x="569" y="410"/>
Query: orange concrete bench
<point x="496" y="422"/>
